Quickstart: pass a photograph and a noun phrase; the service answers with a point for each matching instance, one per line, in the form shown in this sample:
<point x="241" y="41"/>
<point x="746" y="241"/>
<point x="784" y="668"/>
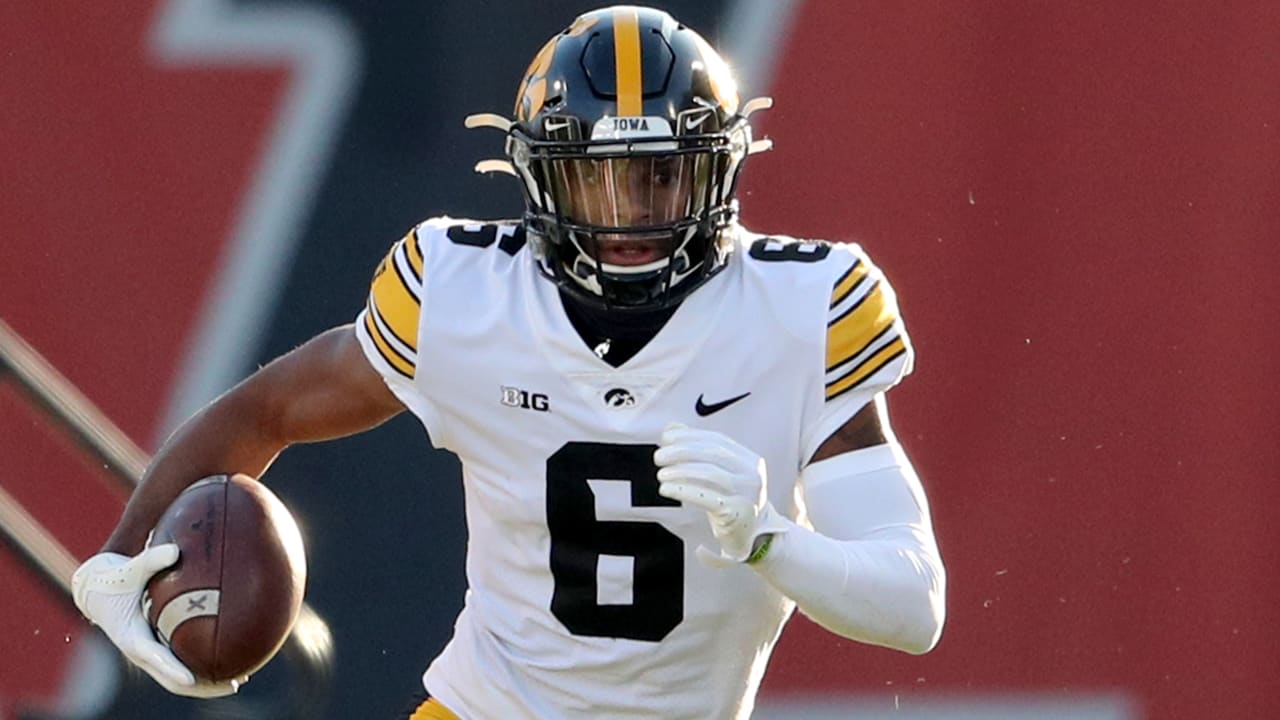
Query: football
<point x="228" y="604"/>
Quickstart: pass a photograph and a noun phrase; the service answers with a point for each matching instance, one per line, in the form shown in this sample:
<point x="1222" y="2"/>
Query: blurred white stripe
<point x="754" y="34"/>
<point x="322" y="52"/>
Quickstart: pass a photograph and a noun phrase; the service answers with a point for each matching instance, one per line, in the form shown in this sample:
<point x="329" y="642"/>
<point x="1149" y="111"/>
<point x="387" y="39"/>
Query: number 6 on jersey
<point x="579" y="539"/>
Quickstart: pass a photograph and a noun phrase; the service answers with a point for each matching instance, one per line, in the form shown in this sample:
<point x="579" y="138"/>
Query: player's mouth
<point x="631" y="251"/>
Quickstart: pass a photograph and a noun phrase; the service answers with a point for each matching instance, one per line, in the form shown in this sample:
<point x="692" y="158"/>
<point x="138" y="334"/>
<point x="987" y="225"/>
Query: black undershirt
<point x="614" y="337"/>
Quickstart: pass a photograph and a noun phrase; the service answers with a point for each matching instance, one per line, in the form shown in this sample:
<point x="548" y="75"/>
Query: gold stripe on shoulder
<point x="626" y="44"/>
<point x="847" y="282"/>
<point x="432" y="709"/>
<point x="388" y="353"/>
<point x="413" y="251"/>
<point x="851" y="332"/>
<point x="867" y="368"/>
<point x="396" y="303"/>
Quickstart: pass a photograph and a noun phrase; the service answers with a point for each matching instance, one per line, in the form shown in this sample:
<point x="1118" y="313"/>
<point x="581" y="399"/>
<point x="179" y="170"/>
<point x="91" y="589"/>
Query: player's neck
<point x="614" y="337"/>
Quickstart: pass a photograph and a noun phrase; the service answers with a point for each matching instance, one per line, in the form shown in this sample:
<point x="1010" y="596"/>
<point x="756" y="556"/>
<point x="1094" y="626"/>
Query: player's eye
<point x="664" y="171"/>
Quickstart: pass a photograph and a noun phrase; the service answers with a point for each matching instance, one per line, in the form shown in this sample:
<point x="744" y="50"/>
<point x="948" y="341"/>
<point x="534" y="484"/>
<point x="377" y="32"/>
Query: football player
<point x="672" y="430"/>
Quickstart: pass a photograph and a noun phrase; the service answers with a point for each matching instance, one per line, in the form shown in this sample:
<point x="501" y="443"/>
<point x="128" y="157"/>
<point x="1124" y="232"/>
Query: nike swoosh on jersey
<point x="704" y="410"/>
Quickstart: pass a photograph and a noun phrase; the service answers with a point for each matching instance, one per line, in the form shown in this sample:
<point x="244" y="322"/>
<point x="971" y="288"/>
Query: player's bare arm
<point x="865" y="429"/>
<point x="322" y="390"/>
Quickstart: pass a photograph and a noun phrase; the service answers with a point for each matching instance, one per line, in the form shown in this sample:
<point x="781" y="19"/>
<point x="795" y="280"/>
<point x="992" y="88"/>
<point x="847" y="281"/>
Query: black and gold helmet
<point x="628" y="138"/>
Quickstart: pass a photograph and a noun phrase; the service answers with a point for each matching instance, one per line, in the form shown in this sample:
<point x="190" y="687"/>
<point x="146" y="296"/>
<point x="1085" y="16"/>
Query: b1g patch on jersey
<point x="517" y="398"/>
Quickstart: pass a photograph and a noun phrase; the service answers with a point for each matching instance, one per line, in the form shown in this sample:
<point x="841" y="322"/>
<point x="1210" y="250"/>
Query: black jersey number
<point x="772" y="250"/>
<point x="578" y="540"/>
<point x="510" y="238"/>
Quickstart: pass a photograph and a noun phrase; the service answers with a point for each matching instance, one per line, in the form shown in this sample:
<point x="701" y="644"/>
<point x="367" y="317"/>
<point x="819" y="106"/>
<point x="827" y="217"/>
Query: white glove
<point x="108" y="590"/>
<point x="711" y="471"/>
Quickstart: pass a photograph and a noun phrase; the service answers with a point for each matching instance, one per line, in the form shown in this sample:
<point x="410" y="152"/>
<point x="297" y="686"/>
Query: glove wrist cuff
<point x="771" y="523"/>
<point x="760" y="548"/>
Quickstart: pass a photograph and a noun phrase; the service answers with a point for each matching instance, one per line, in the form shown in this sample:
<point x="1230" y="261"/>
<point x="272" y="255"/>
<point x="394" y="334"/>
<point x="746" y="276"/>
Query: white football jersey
<point x="585" y="596"/>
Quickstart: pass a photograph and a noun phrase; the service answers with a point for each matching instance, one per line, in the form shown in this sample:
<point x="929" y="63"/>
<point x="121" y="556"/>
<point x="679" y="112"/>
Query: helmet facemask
<point x="629" y="222"/>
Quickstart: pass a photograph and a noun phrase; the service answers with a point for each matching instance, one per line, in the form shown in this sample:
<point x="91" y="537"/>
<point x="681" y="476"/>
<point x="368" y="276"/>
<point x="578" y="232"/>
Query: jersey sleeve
<point x="388" y="325"/>
<point x="867" y="348"/>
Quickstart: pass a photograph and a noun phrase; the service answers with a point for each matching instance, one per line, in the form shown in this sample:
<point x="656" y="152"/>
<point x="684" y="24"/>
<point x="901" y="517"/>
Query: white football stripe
<point x="755" y="33"/>
<point x="188" y="605"/>
<point x="323" y="52"/>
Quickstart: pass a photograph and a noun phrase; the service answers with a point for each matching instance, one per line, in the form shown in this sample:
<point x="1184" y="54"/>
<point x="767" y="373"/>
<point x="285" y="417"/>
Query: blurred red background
<point x="113" y="229"/>
<point x="1079" y="205"/>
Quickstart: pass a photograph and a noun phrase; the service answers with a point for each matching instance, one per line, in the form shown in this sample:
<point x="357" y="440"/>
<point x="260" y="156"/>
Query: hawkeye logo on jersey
<point x="517" y="398"/>
<point x="619" y="398"/>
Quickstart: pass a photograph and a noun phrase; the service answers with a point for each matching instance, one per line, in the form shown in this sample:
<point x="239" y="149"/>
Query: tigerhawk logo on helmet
<point x="628" y="139"/>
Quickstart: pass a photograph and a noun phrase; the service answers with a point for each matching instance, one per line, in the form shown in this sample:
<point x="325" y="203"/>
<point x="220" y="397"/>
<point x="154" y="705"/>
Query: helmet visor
<point x="632" y="192"/>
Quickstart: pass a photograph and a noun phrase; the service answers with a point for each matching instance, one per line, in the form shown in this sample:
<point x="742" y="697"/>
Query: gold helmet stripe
<point x="626" y="43"/>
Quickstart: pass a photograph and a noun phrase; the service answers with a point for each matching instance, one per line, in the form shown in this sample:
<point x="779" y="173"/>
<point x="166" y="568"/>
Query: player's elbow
<point x="907" y="619"/>
<point x="926" y="629"/>
<point x="928" y="605"/>
<point x="920" y="601"/>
